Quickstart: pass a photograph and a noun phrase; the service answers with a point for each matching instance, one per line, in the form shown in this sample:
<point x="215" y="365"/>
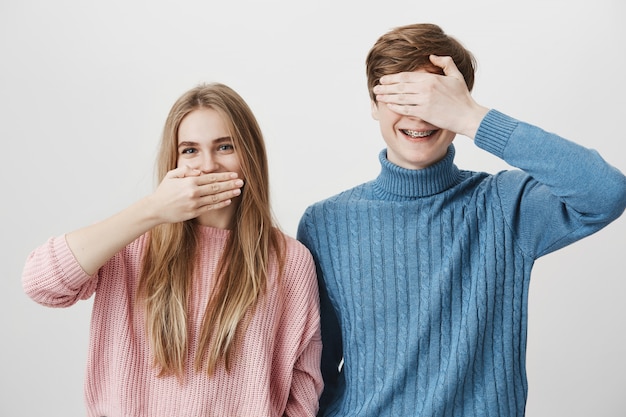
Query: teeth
<point x="416" y="134"/>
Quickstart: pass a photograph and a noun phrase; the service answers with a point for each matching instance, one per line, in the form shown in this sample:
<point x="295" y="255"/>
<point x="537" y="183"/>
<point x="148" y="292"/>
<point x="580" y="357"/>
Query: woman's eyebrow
<point x="216" y="140"/>
<point x="187" y="143"/>
<point x="223" y="139"/>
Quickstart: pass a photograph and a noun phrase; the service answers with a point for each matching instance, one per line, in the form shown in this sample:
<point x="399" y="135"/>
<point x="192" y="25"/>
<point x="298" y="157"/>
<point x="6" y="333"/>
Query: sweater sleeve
<point x="332" y="346"/>
<point x="563" y="192"/>
<point x="52" y="276"/>
<point x="306" y="384"/>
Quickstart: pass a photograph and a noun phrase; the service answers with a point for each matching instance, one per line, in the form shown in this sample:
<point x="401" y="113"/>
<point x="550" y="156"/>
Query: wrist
<point x="474" y="121"/>
<point x="146" y="213"/>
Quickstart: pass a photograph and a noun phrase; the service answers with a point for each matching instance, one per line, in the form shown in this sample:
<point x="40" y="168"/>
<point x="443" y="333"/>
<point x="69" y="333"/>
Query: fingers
<point x="404" y="87"/>
<point x="216" y="177"/>
<point x="186" y="193"/>
<point x="218" y="200"/>
<point x="182" y="172"/>
<point x="431" y="97"/>
<point x="217" y="190"/>
<point x="187" y="171"/>
<point x="448" y="66"/>
<point x="220" y="190"/>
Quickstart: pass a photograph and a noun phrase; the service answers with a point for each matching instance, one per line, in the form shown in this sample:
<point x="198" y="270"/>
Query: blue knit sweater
<point x="424" y="274"/>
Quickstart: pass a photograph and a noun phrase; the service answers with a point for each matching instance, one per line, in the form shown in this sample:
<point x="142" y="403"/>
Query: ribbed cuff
<point x="67" y="262"/>
<point x="494" y="132"/>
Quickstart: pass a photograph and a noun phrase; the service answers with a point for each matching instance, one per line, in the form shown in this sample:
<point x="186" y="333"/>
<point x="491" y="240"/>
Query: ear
<point x="374" y="109"/>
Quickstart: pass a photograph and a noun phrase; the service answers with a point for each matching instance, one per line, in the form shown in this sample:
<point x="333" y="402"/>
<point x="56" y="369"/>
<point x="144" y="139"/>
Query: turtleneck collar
<point x="397" y="183"/>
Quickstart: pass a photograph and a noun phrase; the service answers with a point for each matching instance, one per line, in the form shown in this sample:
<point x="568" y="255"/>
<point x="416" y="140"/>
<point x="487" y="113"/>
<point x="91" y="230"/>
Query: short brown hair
<point x="408" y="48"/>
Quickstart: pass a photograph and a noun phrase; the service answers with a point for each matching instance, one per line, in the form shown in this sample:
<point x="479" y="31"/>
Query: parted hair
<point x="408" y="48"/>
<point x="169" y="262"/>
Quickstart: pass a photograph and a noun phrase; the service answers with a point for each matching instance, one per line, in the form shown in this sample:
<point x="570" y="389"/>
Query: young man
<point x="424" y="271"/>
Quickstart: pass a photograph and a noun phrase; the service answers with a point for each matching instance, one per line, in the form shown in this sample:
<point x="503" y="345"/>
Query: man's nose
<point x="414" y="119"/>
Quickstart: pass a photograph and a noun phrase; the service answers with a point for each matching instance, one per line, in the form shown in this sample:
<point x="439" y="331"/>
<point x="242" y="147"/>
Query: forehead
<point x="202" y="123"/>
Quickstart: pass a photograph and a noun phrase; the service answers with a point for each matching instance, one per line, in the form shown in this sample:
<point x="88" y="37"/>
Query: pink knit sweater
<point x="275" y="373"/>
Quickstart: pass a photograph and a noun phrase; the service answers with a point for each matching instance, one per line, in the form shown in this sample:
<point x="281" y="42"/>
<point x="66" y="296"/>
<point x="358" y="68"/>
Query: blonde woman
<point x="202" y="306"/>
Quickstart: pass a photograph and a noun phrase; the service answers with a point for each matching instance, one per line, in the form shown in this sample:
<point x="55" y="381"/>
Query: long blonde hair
<point x="169" y="261"/>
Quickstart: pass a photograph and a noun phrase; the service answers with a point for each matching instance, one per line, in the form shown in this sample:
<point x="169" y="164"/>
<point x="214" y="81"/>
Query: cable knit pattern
<point x="275" y="372"/>
<point x="424" y="274"/>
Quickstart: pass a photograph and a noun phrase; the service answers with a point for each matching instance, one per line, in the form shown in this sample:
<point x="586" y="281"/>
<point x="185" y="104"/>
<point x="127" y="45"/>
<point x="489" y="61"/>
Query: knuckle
<point x="211" y="179"/>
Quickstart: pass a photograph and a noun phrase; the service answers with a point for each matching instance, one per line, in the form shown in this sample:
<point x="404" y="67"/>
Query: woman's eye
<point x="226" y="148"/>
<point x="188" y="151"/>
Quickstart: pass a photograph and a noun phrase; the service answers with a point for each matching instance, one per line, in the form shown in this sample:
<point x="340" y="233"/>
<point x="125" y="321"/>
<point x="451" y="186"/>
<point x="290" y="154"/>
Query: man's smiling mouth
<point x="417" y="134"/>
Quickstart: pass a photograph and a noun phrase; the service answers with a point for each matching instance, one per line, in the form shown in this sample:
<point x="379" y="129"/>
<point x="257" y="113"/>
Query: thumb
<point x="447" y="64"/>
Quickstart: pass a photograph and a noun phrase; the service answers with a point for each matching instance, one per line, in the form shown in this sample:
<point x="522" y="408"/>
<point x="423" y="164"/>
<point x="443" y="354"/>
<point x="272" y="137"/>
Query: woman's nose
<point x="208" y="164"/>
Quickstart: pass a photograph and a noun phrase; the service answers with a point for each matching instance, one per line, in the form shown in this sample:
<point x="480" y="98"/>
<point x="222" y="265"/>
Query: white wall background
<point x="85" y="87"/>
